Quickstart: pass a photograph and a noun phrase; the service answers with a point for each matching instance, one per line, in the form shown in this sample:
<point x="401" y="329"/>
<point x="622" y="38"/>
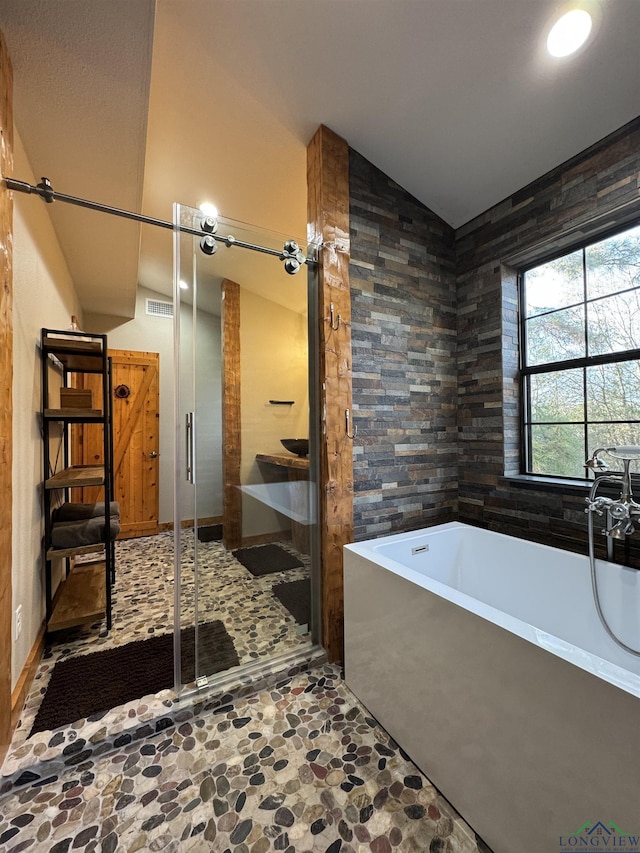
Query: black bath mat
<point x="296" y="597"/>
<point x="95" y="683"/>
<point x="266" y="559"/>
<point x="210" y="533"/>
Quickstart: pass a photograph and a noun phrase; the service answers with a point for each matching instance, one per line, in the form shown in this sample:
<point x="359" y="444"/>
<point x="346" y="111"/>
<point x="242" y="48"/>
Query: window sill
<point x="563" y="485"/>
<point x="549" y="484"/>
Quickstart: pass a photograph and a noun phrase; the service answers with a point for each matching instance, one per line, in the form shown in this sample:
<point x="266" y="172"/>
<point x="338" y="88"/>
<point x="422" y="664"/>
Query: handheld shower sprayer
<point x="596" y="462"/>
<point x="624" y="511"/>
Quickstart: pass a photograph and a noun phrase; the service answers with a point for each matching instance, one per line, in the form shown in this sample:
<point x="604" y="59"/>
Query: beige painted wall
<point x="273" y="365"/>
<point x="44" y="295"/>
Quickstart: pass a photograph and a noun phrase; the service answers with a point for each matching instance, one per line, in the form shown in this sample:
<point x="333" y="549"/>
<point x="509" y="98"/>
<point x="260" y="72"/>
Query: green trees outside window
<point x="580" y="354"/>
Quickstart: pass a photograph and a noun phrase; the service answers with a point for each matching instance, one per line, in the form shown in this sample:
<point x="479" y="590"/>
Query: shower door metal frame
<point x="186" y="453"/>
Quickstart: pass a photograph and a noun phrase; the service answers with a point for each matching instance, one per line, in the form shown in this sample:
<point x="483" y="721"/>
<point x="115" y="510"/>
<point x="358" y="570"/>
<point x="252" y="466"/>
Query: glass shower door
<point x="244" y="503"/>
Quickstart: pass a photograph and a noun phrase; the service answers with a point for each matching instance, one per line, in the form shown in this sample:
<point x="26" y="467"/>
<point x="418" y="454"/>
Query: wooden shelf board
<point x="299" y="462"/>
<point x="82" y="598"/>
<point x="56" y="345"/>
<point x="76" y="476"/>
<point x="89" y="564"/>
<point x="76" y="356"/>
<point x="55" y="553"/>
<point x="73" y="414"/>
<point x="82" y="363"/>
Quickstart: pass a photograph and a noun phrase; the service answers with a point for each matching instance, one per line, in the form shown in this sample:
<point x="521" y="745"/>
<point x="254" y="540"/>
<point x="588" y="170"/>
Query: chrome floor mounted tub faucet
<point x="624" y="510"/>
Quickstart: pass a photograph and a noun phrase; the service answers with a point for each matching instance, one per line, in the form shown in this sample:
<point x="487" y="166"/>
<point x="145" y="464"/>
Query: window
<point x="580" y="354"/>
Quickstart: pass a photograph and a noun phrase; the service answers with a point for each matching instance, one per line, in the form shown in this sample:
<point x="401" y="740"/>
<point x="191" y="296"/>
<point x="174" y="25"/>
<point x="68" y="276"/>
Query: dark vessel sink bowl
<point x="299" y="446"/>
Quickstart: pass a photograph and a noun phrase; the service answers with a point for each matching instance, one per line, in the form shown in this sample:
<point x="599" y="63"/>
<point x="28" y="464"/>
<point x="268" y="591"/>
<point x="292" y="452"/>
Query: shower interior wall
<point x="434" y="342"/>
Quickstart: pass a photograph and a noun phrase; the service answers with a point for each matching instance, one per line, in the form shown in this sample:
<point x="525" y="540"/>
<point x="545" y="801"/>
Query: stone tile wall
<point x="402" y="276"/>
<point x="583" y="197"/>
<point x="416" y="304"/>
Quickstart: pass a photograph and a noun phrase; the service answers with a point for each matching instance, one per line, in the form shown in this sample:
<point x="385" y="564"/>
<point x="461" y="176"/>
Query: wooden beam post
<point x="6" y="383"/>
<point x="231" y="417"/>
<point x="328" y="218"/>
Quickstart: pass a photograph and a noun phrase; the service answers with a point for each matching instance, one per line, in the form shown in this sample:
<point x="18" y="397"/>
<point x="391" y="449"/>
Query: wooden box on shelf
<point x="76" y="398"/>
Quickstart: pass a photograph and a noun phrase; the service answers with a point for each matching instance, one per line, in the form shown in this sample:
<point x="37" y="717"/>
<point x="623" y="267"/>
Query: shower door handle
<point x="190" y="472"/>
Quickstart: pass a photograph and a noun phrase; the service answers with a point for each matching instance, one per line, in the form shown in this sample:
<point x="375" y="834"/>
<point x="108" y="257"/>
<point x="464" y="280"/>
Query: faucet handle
<point x="594" y="507"/>
<point x="599" y="504"/>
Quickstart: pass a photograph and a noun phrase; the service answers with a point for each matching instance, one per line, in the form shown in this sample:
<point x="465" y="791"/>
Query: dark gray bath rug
<point x="296" y="597"/>
<point x="266" y="559"/>
<point x="210" y="533"/>
<point x="92" y="684"/>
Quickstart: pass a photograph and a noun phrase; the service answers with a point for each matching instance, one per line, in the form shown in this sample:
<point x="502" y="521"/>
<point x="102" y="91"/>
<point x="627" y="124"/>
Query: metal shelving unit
<point x="84" y="595"/>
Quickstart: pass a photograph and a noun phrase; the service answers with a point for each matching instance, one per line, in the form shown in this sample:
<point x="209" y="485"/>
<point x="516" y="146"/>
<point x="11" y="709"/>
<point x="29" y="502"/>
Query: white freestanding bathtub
<point x="483" y="656"/>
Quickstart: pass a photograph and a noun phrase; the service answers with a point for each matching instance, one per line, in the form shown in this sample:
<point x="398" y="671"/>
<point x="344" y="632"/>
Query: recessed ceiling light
<point x="569" y="33"/>
<point x="183" y="285"/>
<point x="209" y="209"/>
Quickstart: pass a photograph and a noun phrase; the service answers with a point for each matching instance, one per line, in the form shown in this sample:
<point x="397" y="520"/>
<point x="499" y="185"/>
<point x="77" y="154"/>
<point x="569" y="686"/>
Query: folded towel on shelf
<point x="75" y="534"/>
<point x="76" y="512"/>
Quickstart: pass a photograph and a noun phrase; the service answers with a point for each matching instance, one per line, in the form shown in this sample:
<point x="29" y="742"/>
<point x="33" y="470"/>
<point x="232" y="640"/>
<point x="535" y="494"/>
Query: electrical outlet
<point x="18" y="621"/>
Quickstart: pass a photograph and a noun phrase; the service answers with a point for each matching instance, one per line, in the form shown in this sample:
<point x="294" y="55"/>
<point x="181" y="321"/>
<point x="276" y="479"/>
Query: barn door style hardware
<point x="293" y="257"/>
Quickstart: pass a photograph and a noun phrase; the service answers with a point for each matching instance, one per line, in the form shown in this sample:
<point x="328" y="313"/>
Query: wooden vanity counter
<point x="298" y="463"/>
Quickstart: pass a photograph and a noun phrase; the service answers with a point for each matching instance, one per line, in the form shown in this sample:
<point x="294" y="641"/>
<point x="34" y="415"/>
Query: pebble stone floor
<point x="299" y="767"/>
<point x="142" y="606"/>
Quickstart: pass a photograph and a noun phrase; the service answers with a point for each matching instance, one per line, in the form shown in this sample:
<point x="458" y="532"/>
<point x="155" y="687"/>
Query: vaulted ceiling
<point x="139" y="104"/>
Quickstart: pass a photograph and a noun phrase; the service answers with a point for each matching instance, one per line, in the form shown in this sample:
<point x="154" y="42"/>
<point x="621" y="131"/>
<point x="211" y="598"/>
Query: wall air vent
<point x="159" y="309"/>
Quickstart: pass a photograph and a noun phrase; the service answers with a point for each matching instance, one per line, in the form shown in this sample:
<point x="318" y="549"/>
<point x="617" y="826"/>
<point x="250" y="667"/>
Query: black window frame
<point x="525" y="371"/>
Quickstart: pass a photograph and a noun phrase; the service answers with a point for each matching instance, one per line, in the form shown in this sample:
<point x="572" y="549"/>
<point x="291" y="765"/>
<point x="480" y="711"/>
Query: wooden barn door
<point x="135" y="441"/>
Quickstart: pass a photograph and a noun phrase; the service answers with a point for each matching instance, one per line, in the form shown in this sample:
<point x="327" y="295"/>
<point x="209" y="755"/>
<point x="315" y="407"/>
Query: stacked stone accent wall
<point x="580" y="199"/>
<point x="403" y="337"/>
<point x="426" y="453"/>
